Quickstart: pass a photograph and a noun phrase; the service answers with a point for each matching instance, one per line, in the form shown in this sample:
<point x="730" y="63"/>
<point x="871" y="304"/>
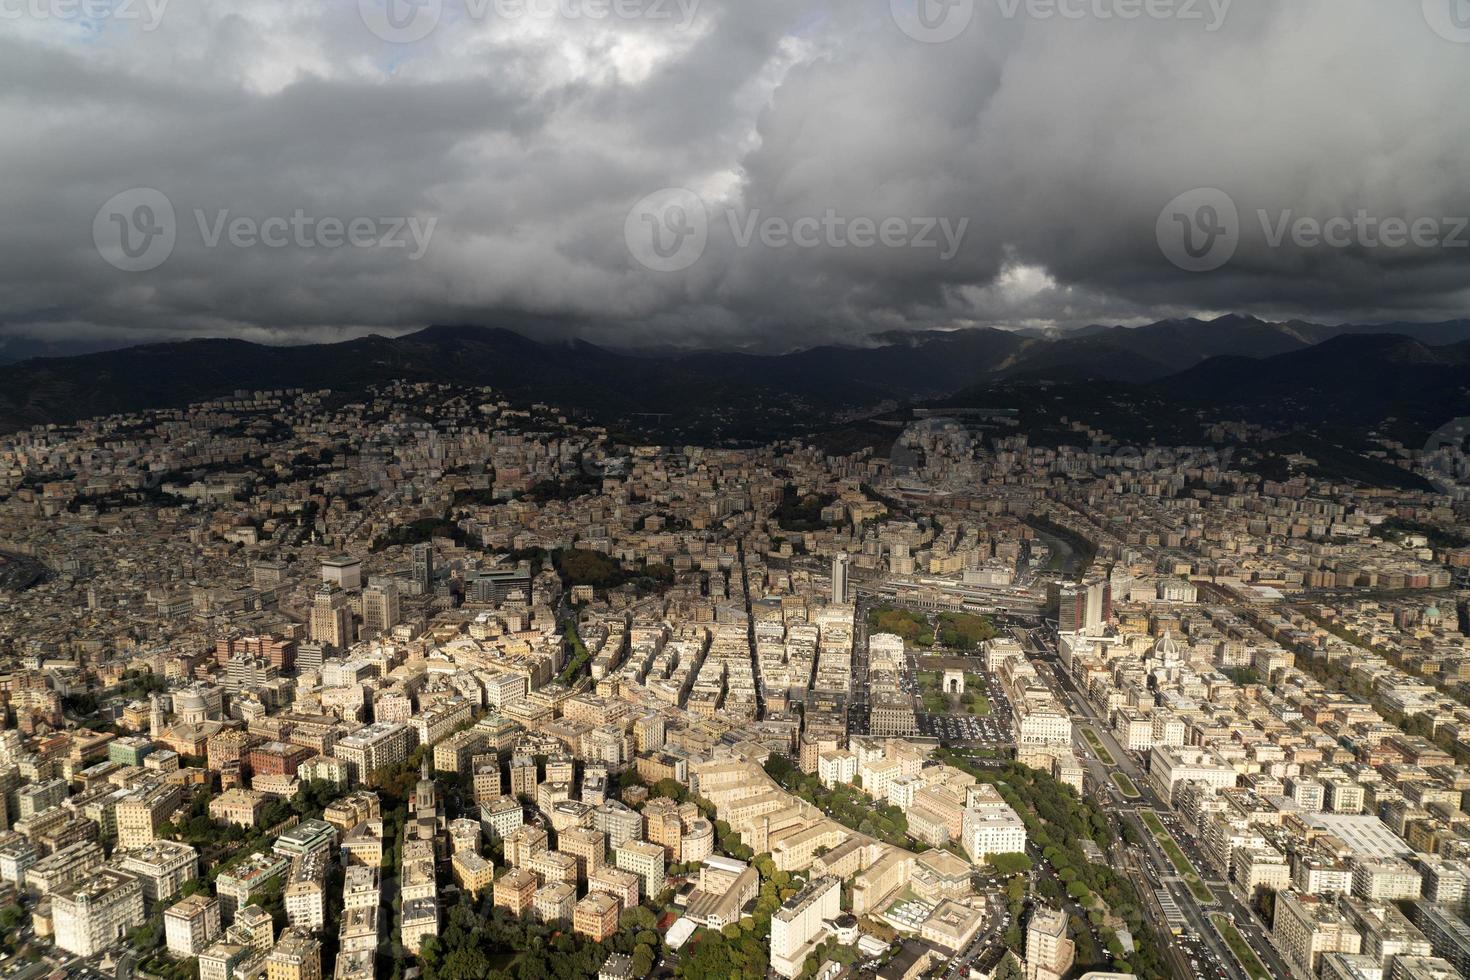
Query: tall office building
<point x="1084" y="606"/>
<point x="1071" y="607"/>
<point x="331" y="618"/>
<point x="1099" y="601"/>
<point x="840" y="566"/>
<point x="423" y="569"/>
<point x="245" y="671"/>
<point x="379" y="609"/>
<point x="280" y="651"/>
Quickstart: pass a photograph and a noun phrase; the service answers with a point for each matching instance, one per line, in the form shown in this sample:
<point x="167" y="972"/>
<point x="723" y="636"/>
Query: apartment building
<point x="515" y="890"/>
<point x="501" y="817"/>
<point x="238" y="887"/>
<point x="1386" y="879"/>
<point x="554" y="903"/>
<point x="434" y="724"/>
<point x="587" y="846"/>
<point x="622" y="885"/>
<point x="1307" y="927"/>
<point x="376" y="746"/>
<point x="191" y="924"/>
<point x="1049" y="951"/>
<point x="596" y="916"/>
<point x="644" y="859"/>
<point x="71" y="863"/>
<point x="139" y="814"/>
<point x="305" y="894"/>
<point x="95" y="914"/>
<point x="162" y="868"/>
<point x="297" y="955"/>
<point x="240" y="807"/>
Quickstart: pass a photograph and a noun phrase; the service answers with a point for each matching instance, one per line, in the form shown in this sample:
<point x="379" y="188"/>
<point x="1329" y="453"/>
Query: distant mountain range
<point x="1350" y="381"/>
<point x="1244" y="367"/>
<point x="1156" y="351"/>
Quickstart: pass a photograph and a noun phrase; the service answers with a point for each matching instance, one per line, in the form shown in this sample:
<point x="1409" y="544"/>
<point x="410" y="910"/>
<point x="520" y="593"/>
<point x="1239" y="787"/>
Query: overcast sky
<point x="844" y="167"/>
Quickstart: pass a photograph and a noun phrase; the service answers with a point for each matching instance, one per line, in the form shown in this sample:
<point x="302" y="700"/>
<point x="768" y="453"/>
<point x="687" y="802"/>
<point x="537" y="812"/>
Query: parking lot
<point x="958" y="727"/>
<point x="962" y="728"/>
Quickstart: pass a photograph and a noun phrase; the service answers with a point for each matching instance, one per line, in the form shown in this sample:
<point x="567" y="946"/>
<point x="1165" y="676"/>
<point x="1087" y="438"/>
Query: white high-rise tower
<point x="839" y="578"/>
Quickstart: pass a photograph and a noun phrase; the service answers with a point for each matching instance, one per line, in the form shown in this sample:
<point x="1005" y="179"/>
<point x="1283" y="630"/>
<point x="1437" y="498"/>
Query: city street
<point x="1040" y="643"/>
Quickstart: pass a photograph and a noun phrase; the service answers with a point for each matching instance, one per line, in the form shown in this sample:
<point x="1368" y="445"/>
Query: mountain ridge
<point x="1234" y="360"/>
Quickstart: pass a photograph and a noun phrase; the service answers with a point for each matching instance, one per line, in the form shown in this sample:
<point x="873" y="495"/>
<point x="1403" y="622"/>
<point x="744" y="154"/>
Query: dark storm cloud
<point x="835" y="161"/>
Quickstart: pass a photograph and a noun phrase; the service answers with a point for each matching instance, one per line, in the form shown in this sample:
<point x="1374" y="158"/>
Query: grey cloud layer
<point x="1059" y="140"/>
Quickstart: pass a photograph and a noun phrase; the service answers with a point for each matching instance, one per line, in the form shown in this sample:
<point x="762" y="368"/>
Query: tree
<point x="1009" y="969"/>
<point x="670" y="788"/>
<point x="1008" y="865"/>
<point x="638" y="919"/>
